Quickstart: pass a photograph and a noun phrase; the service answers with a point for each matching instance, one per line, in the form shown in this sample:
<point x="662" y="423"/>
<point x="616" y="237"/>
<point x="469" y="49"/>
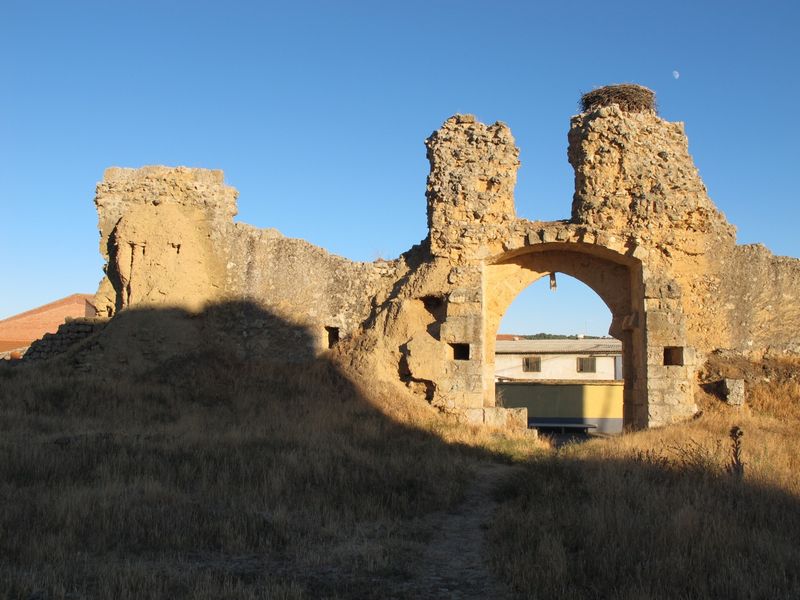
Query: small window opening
<point x="460" y="351"/>
<point x="532" y="364"/>
<point x="673" y="356"/>
<point x="333" y="336"/>
<point x="587" y="364"/>
<point x="433" y="304"/>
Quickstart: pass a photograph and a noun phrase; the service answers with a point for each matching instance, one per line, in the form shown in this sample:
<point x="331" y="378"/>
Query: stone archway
<point x="620" y="241"/>
<point x="616" y="278"/>
<point x="642" y="234"/>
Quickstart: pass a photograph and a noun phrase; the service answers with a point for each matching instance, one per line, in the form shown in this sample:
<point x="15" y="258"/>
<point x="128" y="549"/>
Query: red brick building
<point x="22" y="329"/>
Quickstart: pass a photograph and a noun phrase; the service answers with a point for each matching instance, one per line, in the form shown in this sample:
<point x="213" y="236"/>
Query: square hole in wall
<point x="673" y="356"/>
<point x="433" y="304"/>
<point x="460" y="351"/>
<point x="333" y="336"/>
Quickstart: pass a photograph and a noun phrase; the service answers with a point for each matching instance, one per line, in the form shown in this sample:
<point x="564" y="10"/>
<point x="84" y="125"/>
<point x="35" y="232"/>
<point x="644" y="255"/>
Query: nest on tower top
<point x="628" y="96"/>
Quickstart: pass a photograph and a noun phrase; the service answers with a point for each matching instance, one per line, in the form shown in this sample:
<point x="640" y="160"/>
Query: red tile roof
<point x="20" y="330"/>
<point x="508" y="337"/>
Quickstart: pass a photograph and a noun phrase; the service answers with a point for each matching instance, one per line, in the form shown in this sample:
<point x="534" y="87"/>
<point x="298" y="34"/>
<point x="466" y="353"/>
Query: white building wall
<point x="558" y="366"/>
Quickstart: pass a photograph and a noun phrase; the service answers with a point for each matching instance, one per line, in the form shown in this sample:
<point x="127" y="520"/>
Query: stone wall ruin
<point x="643" y="234"/>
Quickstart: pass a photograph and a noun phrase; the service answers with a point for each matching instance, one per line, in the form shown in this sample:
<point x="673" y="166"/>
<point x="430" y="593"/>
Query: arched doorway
<point x="560" y="305"/>
<point x="615" y="278"/>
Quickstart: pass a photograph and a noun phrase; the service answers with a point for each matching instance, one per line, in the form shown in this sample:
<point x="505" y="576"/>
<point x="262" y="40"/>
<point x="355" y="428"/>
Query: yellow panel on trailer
<point x="597" y="403"/>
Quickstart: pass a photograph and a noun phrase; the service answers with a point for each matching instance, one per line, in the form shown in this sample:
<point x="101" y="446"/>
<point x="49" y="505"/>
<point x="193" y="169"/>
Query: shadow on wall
<point x="240" y="331"/>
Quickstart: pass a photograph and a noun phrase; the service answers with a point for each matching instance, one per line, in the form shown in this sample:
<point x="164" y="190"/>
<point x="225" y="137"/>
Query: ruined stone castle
<point x="643" y="234"/>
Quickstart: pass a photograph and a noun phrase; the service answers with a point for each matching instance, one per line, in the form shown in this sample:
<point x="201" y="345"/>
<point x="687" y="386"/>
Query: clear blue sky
<point x="317" y="112"/>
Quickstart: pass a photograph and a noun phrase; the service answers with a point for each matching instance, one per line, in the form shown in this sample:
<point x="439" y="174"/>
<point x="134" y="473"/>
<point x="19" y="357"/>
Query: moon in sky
<point x="675" y="74"/>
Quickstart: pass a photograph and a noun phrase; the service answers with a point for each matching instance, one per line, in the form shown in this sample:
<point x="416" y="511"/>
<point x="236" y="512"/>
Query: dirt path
<point x="454" y="564"/>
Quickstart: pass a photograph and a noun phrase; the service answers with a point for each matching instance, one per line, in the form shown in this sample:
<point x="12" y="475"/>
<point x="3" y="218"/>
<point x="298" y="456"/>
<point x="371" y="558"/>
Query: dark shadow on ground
<point x="216" y="455"/>
<point x="559" y="438"/>
<point x="211" y="455"/>
<point x="647" y="527"/>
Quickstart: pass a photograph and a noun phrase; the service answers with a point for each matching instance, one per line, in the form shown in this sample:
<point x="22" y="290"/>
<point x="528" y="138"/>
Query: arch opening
<point x="616" y="280"/>
<point x="557" y="305"/>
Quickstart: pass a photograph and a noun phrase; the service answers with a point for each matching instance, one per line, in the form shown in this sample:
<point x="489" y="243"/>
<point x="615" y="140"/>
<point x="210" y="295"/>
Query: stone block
<point x="456" y="311"/>
<point x="517" y="418"/>
<point x="506" y="418"/>
<point x="474" y="380"/>
<point x="689" y="356"/>
<point x="640" y="252"/>
<point x="658" y="415"/>
<point x="494" y="417"/>
<point x="462" y="329"/>
<point x="548" y="235"/>
<point x="425" y="357"/>
<point x="469" y="399"/>
<point x="660" y="384"/>
<point x="473" y="416"/>
<point x="652" y="304"/>
<point x="674" y="397"/>
<point x="464" y="295"/>
<point x="733" y="391"/>
<point x="659" y="287"/>
<point x="664" y="328"/>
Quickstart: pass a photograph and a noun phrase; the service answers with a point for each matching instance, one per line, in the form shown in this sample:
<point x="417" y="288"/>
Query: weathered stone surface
<point x="733" y="391"/>
<point x="516" y="418"/>
<point x="471" y="185"/>
<point x="69" y="335"/>
<point x="634" y="174"/>
<point x="643" y="234"/>
<point x="173" y="210"/>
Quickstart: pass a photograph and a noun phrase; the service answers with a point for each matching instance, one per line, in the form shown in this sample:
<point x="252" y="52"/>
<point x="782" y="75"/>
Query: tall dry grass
<point x="664" y="513"/>
<point x="212" y="478"/>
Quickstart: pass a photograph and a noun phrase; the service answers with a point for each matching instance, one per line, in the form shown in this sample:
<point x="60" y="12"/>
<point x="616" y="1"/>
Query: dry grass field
<point x="213" y="478"/>
<point x="218" y="479"/>
<point x="666" y="513"/>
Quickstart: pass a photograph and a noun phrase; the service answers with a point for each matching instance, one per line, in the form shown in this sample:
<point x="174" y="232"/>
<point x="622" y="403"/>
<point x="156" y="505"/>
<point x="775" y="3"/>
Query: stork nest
<point x="628" y="96"/>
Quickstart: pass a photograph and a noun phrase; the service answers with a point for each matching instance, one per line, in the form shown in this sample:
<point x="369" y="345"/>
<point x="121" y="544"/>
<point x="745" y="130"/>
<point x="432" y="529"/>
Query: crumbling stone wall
<point x="634" y="174"/>
<point x="753" y="302"/>
<point x="471" y="185"/>
<point x="643" y="234"/>
<point x="69" y="334"/>
<point x="169" y="240"/>
<point x="304" y="284"/>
